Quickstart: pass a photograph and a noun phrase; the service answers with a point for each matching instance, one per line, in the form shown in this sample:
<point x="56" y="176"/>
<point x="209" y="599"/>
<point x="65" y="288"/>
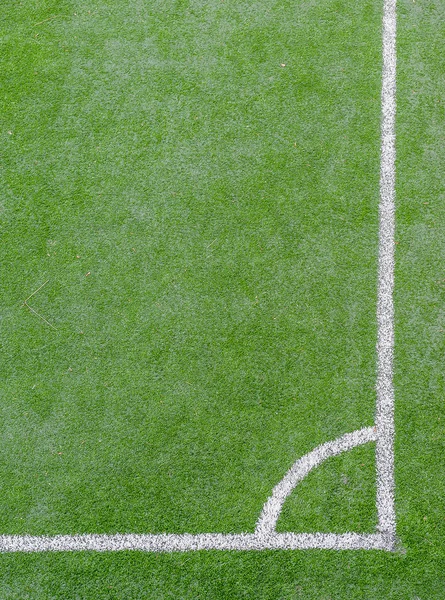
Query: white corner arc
<point x="267" y="521"/>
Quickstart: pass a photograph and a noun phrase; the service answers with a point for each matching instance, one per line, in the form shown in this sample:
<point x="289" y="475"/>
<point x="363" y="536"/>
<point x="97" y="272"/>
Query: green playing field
<point x="189" y="241"/>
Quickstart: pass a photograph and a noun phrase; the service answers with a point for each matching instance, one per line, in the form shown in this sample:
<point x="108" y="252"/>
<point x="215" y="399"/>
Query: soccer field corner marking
<point x="265" y="536"/>
<point x="270" y="513"/>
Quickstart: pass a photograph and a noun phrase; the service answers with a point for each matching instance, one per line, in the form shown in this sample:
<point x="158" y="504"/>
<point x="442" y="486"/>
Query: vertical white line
<point x="385" y="307"/>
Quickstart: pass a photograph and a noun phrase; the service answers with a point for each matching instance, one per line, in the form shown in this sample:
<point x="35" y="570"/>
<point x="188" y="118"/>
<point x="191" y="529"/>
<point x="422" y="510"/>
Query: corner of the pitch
<point x="390" y="541"/>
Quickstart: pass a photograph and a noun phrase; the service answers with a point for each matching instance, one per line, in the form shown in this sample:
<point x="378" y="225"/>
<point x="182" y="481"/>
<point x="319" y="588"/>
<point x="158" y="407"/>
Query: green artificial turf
<point x="197" y="182"/>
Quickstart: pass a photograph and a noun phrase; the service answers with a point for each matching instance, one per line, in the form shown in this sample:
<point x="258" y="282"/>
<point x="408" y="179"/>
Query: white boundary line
<point x="265" y="536"/>
<point x="385" y="306"/>
<point x="186" y="542"/>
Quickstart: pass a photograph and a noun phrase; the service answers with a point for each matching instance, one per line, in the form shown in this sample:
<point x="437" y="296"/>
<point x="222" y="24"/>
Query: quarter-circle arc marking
<point x="270" y="513"/>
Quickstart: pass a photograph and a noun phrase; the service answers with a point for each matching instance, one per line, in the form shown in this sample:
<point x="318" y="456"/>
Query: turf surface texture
<point x="198" y="183"/>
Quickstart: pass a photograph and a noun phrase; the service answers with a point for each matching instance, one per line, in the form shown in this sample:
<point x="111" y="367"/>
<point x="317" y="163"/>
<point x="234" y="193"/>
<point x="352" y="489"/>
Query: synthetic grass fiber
<point x="198" y="183"/>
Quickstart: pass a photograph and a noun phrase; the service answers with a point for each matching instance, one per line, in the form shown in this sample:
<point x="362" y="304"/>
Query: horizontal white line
<point x="187" y="542"/>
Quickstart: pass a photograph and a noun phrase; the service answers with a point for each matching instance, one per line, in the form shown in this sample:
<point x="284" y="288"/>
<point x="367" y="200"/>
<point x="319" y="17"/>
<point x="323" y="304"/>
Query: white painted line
<point x="271" y="510"/>
<point x="187" y="542"/>
<point x="385" y="308"/>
